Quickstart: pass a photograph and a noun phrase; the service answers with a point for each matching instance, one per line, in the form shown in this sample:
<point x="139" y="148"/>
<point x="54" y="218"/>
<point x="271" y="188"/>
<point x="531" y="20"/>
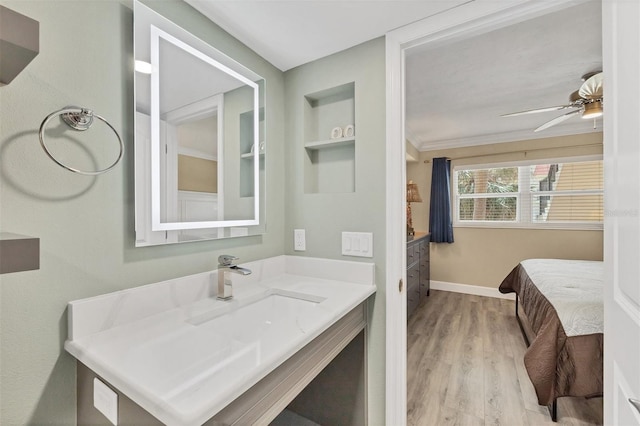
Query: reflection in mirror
<point x="199" y="138"/>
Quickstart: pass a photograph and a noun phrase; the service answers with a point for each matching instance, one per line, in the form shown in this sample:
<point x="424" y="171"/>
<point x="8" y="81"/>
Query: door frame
<point x="461" y="21"/>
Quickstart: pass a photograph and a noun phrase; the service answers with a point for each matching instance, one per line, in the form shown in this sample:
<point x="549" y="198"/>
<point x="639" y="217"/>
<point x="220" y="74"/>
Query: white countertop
<point x="183" y="355"/>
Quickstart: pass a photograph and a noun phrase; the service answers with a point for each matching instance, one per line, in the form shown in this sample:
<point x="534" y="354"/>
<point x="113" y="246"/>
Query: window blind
<point x="560" y="193"/>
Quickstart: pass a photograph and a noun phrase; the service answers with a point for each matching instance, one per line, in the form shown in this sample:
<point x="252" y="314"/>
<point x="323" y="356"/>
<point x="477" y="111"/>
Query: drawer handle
<point x="635" y="403"/>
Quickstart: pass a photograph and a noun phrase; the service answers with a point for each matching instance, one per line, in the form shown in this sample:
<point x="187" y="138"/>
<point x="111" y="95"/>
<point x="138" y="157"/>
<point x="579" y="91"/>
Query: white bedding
<point x="574" y="288"/>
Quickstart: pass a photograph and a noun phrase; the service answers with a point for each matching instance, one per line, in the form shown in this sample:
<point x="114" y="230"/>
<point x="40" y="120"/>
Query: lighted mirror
<point x="199" y="141"/>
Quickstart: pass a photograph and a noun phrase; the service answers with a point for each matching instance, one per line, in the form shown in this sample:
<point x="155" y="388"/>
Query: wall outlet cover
<point x="299" y="240"/>
<point x="105" y="400"/>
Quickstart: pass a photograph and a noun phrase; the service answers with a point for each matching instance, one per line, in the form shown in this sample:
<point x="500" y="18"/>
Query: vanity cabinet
<point x="329" y="372"/>
<point x="418" y="284"/>
<point x="171" y="352"/>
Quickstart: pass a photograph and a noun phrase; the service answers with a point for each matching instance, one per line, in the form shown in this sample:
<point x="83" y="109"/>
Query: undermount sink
<point x="236" y="336"/>
<point x="257" y="311"/>
<point x="183" y="355"/>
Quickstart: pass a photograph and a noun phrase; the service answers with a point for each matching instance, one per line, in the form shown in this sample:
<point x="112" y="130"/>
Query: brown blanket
<point x="557" y="365"/>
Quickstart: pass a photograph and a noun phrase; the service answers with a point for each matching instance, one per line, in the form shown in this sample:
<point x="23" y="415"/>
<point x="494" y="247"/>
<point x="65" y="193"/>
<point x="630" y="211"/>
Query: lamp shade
<point x="413" y="196"/>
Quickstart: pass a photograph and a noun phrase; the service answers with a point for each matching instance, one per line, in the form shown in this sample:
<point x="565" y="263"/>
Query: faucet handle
<point x="226" y="260"/>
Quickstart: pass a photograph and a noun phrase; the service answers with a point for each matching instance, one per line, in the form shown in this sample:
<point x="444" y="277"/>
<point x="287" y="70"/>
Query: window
<point x="557" y="194"/>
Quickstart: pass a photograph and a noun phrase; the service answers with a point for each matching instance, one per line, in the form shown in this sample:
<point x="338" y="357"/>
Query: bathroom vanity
<point x="171" y="353"/>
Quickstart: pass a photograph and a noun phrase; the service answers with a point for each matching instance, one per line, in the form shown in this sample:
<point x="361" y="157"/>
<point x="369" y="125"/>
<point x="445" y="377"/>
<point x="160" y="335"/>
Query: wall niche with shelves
<point x="248" y="151"/>
<point x="330" y="160"/>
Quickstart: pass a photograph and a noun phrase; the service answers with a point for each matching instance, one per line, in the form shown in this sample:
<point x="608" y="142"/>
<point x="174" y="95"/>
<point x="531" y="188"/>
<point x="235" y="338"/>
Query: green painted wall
<point x="325" y="216"/>
<point x="86" y="224"/>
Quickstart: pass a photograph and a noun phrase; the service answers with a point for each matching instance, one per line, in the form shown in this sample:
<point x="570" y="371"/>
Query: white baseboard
<point x="470" y="289"/>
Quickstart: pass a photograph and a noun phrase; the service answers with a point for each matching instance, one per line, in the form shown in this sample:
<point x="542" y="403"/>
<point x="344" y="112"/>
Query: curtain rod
<point x="519" y="152"/>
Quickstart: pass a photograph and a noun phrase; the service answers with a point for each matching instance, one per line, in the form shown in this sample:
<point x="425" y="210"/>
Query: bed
<point x="563" y="305"/>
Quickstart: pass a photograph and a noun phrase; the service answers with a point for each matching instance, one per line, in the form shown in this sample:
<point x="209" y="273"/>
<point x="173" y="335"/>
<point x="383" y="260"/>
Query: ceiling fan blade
<point x="558" y="120"/>
<point x="535" y="111"/>
<point x="592" y="87"/>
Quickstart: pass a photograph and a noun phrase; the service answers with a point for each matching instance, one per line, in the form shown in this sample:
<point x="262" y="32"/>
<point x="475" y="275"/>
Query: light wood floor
<point x="465" y="367"/>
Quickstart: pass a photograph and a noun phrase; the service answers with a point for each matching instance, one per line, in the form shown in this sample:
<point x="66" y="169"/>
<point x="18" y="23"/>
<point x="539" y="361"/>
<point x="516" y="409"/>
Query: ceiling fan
<point x="586" y="101"/>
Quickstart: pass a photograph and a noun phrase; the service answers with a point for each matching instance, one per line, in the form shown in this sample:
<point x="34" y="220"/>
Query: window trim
<point x="518" y="223"/>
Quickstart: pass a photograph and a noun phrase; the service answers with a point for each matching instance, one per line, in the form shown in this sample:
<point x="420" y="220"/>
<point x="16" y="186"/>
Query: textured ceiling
<point x="457" y="92"/>
<point x="289" y="33"/>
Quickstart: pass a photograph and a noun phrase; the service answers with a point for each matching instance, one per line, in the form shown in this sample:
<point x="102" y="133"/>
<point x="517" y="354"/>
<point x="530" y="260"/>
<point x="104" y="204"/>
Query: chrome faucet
<point x="226" y="267"/>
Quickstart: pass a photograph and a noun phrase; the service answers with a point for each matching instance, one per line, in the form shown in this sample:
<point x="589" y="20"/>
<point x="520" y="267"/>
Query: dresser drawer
<point x="417" y="271"/>
<point x="413" y="276"/>
<point x="413" y="289"/>
<point x="424" y="280"/>
<point x="413" y="254"/>
<point x="424" y="250"/>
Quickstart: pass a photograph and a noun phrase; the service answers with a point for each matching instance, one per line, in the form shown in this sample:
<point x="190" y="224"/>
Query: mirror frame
<point x="150" y="229"/>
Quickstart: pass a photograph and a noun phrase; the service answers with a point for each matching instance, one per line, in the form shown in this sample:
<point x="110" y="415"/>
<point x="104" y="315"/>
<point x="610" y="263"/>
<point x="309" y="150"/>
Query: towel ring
<point x="78" y="119"/>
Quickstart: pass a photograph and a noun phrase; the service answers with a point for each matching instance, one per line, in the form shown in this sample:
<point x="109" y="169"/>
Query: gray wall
<point x="85" y="224"/>
<point x="325" y="215"/>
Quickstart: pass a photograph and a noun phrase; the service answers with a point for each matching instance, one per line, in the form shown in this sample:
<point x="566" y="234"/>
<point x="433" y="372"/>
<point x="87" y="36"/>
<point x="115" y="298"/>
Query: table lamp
<point x="413" y="196"/>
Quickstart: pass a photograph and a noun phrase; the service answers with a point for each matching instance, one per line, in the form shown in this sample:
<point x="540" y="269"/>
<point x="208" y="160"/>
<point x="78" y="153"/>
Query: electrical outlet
<point x="105" y="400"/>
<point x="299" y="242"/>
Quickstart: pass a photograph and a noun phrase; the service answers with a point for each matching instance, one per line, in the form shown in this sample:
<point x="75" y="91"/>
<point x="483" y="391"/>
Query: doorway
<point x="466" y="20"/>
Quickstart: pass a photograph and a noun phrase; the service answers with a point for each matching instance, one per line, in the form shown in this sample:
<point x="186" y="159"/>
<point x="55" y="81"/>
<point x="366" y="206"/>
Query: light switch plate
<point x="357" y="244"/>
<point x="105" y="400"/>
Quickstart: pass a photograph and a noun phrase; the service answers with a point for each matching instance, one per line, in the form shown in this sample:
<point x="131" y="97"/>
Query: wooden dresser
<point x="417" y="270"/>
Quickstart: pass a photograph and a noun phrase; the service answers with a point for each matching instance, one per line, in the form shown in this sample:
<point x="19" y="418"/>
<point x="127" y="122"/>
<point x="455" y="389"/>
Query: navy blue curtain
<point x="440" y="224"/>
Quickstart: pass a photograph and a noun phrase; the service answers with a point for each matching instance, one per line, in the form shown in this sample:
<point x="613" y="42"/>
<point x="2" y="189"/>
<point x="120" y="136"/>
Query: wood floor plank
<point x="450" y="417"/>
<point x="538" y="418"/>
<point x="467" y="376"/>
<point x="465" y="366"/>
<point x="492" y="304"/>
<point x="580" y="411"/>
<point x="421" y="323"/>
<point x="503" y="399"/>
<point x="441" y="344"/>
<point x="427" y="391"/>
<point x="472" y="321"/>
<point x="518" y="349"/>
<point x="496" y="332"/>
<point x="416" y="352"/>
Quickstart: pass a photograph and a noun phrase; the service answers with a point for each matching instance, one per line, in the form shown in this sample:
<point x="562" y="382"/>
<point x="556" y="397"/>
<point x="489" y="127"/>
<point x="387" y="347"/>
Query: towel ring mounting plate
<point x="79" y="120"/>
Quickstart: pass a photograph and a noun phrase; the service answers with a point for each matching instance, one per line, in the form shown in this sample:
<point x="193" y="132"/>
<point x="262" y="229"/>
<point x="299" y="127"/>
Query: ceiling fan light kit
<point x="592" y="110"/>
<point x="587" y="100"/>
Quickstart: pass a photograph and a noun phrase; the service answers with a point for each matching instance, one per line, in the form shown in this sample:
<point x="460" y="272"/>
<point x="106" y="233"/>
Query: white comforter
<point x="574" y="288"/>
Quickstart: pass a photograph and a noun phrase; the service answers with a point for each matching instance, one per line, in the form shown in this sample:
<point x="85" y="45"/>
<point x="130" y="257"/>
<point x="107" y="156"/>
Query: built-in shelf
<point x="330" y="143"/>
<point x="330" y="162"/>
<point x="247" y="143"/>
<point x="19" y="43"/>
<point x="18" y="253"/>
